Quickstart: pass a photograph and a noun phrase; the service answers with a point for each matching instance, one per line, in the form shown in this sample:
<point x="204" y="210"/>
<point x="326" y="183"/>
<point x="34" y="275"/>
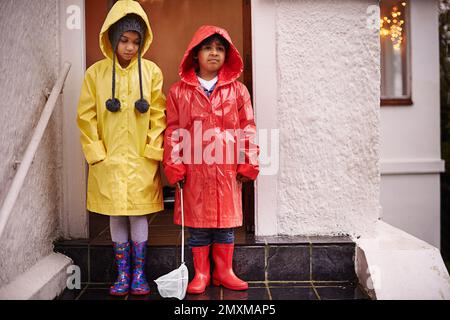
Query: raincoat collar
<point x="230" y="71"/>
<point x="120" y="9"/>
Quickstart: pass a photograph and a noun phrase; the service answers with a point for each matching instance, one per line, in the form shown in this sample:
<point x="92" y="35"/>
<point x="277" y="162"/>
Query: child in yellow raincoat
<point x="121" y="116"/>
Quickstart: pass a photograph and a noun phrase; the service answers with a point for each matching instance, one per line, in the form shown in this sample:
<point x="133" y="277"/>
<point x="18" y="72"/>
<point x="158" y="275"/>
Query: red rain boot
<point x="223" y="270"/>
<point x="202" y="270"/>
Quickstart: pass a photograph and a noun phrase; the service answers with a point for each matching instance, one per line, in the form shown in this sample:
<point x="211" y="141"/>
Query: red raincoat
<point x="212" y="195"/>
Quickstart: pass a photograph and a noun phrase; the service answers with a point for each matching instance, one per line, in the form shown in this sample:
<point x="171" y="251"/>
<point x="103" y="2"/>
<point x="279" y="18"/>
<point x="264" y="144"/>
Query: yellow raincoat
<point x="123" y="148"/>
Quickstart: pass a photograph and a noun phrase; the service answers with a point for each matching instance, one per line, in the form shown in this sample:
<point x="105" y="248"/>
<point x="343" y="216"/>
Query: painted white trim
<point x="392" y="264"/>
<point x="43" y="281"/>
<point x="265" y="102"/>
<point x="411" y="166"/>
<point x="74" y="217"/>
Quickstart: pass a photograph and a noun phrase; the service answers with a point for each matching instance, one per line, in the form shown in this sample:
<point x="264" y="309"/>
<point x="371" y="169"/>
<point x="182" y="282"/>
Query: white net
<point x="174" y="283"/>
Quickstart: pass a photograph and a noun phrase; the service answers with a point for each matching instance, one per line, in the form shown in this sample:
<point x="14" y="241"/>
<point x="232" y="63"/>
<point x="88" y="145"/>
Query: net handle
<point x="182" y="223"/>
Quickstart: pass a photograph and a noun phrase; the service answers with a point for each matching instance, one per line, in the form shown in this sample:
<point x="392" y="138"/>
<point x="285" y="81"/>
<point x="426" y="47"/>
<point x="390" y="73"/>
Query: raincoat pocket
<point x="235" y="191"/>
<point x="100" y="184"/>
<point x="144" y="180"/>
<point x="194" y="190"/>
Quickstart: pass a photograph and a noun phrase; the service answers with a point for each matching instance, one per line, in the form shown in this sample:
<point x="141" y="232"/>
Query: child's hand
<point x="180" y="184"/>
<point x="241" y="178"/>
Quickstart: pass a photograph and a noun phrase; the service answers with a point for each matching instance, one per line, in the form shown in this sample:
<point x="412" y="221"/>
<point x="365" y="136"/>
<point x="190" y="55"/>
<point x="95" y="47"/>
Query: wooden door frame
<point x="73" y="219"/>
<point x="248" y="189"/>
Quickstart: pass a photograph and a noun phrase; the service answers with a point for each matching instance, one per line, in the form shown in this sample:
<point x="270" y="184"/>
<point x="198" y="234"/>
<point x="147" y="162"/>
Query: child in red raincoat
<point x="209" y="147"/>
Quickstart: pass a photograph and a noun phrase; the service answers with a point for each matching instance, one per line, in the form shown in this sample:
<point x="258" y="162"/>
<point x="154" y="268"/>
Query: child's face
<point x="211" y="57"/>
<point x="128" y="46"/>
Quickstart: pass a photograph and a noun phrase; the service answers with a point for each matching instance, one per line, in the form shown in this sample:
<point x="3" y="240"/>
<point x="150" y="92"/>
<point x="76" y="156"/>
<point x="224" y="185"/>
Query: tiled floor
<point x="256" y="291"/>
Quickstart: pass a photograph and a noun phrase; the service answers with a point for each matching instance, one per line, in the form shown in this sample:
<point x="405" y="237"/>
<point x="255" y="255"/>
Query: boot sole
<point x="195" y="291"/>
<point x="118" y="294"/>
<point x="217" y="283"/>
<point x="140" y="293"/>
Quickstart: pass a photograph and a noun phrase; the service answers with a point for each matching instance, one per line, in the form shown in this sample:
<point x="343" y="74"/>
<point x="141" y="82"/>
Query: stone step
<point x="275" y="259"/>
<point x="256" y="291"/>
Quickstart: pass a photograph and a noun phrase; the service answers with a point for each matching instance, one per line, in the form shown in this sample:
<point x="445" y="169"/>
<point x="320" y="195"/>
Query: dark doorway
<point x="173" y="23"/>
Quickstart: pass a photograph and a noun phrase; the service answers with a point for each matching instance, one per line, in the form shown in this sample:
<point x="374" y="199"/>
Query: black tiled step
<point x="281" y="267"/>
<point x="289" y="263"/>
<point x="313" y="261"/>
<point x="293" y="293"/>
<point x="344" y="292"/>
<point x="333" y="262"/>
<point x="256" y="291"/>
<point x="253" y="293"/>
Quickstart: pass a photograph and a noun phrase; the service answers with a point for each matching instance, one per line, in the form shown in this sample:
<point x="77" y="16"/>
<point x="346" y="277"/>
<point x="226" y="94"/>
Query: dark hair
<point x="215" y="37"/>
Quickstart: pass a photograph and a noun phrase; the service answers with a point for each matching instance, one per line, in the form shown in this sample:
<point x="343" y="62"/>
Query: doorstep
<point x="256" y="291"/>
<point x="282" y="267"/>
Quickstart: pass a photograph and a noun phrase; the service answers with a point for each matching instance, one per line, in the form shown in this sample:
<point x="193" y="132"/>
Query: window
<point x="395" y="53"/>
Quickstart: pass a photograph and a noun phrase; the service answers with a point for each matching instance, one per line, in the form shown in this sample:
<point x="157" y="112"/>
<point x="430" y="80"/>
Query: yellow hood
<point x="117" y="12"/>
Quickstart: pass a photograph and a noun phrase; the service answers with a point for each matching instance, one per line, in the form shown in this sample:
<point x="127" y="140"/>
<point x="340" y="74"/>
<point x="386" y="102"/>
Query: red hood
<point x="230" y="71"/>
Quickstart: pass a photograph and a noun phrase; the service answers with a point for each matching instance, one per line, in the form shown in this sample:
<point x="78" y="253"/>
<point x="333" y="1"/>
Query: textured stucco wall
<point x="328" y="115"/>
<point x="29" y="64"/>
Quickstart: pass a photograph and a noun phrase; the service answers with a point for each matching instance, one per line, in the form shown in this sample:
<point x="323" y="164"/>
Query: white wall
<point x="410" y="137"/>
<point x="317" y="80"/>
<point x="29" y="64"/>
<point x="414" y="203"/>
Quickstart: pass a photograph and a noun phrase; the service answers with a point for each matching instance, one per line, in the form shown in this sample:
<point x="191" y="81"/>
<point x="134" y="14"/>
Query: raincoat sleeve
<point x="173" y="165"/>
<point x="248" y="165"/>
<point x="93" y="148"/>
<point x="154" y="147"/>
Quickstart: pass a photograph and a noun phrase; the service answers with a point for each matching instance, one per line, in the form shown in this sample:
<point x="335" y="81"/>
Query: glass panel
<point x="394" y="40"/>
